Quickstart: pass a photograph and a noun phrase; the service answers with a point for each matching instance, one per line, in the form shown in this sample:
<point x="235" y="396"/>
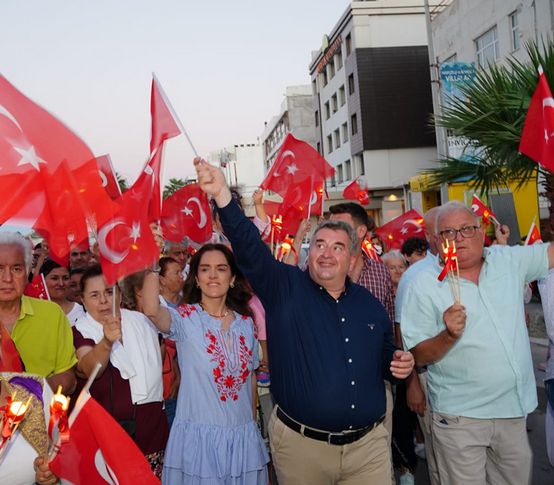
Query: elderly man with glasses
<point x="480" y="371"/>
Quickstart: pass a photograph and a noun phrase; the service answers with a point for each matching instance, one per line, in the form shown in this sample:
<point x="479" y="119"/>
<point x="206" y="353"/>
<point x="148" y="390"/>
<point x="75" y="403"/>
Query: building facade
<point x="488" y="32"/>
<point x="243" y="168"/>
<point x="372" y="100"/>
<point x="296" y="116"/>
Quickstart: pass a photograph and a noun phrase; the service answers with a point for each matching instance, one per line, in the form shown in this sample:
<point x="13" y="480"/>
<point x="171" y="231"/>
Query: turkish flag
<point x="125" y="242"/>
<point x="99" y="451"/>
<point x="164" y="126"/>
<point x="305" y="197"/>
<point x="37" y="288"/>
<point x="187" y="213"/>
<point x="297" y="162"/>
<point x="62" y="222"/>
<point x="355" y="191"/>
<point x="9" y="357"/>
<point x="533" y="236"/>
<point x="71" y="202"/>
<point x="108" y="176"/>
<point x="536" y="138"/>
<point x="395" y="232"/>
<point x="148" y="186"/>
<point x="481" y="210"/>
<point x="31" y="141"/>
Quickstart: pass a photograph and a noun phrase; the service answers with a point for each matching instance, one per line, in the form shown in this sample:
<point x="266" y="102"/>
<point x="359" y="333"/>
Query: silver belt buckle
<point x="333" y="434"/>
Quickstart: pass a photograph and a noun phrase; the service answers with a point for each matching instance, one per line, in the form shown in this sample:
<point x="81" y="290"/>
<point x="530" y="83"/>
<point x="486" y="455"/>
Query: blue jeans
<point x="170" y="408"/>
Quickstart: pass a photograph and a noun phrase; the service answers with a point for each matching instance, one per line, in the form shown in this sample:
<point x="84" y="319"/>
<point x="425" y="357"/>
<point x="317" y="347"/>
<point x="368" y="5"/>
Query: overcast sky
<point x="223" y="64"/>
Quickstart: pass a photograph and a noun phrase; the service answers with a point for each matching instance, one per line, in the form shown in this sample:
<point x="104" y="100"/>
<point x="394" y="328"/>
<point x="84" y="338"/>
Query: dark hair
<point x="357" y="212"/>
<point x="165" y="262"/>
<point x="413" y="244"/>
<point x="73" y="271"/>
<point x="131" y="284"/>
<point x="237" y="297"/>
<point x="90" y="272"/>
<point x="48" y="266"/>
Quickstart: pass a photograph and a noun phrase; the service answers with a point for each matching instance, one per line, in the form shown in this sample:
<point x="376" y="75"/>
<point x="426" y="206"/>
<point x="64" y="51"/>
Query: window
<point x="360" y="164"/>
<point x="339" y="174"/>
<point x="514" y="28"/>
<point x="317" y="118"/>
<point x="324" y="77"/>
<point x="344" y="132"/>
<point x="351" y="87"/>
<point x="342" y="95"/>
<point x="331" y="70"/>
<point x="348" y="42"/>
<point x="354" y="124"/>
<point x="486" y="47"/>
<point x="327" y="111"/>
<point x="330" y="143"/>
<point x="334" y="103"/>
<point x="348" y="170"/>
<point x="319" y="148"/>
<point x="314" y="87"/>
<point x="337" y="138"/>
<point x="338" y="60"/>
<point x="333" y="181"/>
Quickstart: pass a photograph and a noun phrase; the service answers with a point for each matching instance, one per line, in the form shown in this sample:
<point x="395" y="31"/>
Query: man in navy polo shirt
<point x="331" y="345"/>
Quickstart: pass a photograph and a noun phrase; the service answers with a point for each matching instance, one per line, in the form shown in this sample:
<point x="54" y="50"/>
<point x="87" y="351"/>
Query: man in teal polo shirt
<point x="480" y="373"/>
<point x="39" y="329"/>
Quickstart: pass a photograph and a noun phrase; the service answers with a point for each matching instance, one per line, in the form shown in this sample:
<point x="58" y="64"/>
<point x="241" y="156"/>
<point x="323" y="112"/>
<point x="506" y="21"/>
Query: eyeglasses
<point x="76" y="254"/>
<point x="452" y="234"/>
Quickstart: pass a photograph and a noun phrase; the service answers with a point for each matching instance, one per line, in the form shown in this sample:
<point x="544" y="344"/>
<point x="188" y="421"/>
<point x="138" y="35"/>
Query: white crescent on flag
<point x="203" y="219"/>
<point x="104" y="469"/>
<point x="111" y="255"/>
<point x="475" y="208"/>
<point x="103" y="178"/>
<point x="7" y="114"/>
<point x="548" y="102"/>
<point x="29" y="154"/>
<point x="313" y="198"/>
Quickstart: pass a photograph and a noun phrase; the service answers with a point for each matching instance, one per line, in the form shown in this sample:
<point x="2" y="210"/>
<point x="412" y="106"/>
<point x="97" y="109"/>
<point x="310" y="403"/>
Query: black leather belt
<point x="339" y="439"/>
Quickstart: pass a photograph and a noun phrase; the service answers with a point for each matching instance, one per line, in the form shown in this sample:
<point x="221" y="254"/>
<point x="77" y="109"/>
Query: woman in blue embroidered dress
<point x="214" y="439"/>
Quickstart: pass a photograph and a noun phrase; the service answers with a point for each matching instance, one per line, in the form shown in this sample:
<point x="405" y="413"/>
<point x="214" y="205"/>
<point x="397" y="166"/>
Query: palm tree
<point x="172" y="186"/>
<point x="492" y="115"/>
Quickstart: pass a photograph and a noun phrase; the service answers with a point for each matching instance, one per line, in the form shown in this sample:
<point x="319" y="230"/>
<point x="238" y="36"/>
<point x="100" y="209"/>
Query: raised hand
<point x="112" y="328"/>
<point x="258" y="197"/>
<point x="212" y="181"/>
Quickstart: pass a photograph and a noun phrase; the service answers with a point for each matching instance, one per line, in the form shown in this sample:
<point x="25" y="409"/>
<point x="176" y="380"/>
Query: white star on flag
<point x="187" y="211"/>
<point x="404" y="230"/>
<point x="292" y="169"/>
<point x="135" y="231"/>
<point x="29" y="156"/>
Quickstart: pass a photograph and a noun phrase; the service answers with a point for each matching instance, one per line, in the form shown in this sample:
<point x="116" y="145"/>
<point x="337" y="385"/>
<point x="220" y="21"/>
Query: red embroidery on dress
<point x="186" y="309"/>
<point x="228" y="382"/>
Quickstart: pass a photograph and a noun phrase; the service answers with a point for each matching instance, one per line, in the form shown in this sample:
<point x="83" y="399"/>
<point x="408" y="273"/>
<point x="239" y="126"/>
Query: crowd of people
<point x="369" y="359"/>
